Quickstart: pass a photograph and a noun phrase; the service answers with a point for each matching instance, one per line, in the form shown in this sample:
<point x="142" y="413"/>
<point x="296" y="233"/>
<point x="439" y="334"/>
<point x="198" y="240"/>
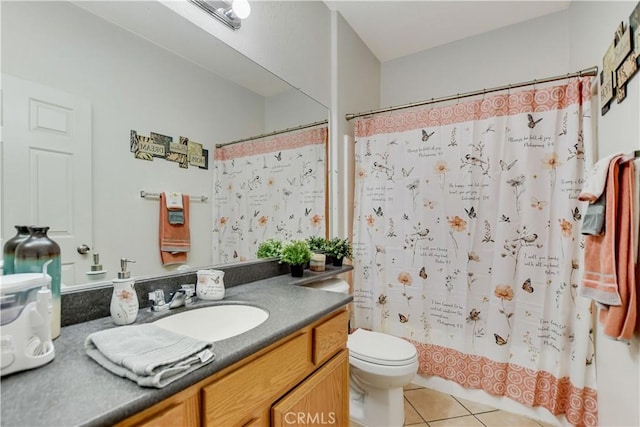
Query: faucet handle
<point x="189" y="290"/>
<point x="156" y="301"/>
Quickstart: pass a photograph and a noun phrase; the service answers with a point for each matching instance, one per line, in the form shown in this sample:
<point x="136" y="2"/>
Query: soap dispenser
<point x="124" y="301"/>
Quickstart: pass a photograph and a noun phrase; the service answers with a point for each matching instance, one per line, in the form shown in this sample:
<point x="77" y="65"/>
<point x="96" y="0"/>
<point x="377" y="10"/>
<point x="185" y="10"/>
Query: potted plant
<point x="295" y="253"/>
<point x="317" y="244"/>
<point x="339" y="249"/>
<point x="269" y="248"/>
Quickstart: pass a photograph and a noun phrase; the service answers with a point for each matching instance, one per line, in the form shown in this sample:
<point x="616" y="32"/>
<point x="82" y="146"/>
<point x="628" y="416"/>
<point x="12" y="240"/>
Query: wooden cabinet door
<point x="321" y="400"/>
<point x="232" y="400"/>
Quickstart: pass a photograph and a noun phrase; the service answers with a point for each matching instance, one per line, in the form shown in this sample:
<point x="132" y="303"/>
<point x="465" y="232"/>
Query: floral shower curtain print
<point x="272" y="187"/>
<point x="467" y="243"/>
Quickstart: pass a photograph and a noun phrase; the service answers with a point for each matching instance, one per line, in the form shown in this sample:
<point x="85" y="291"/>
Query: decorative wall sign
<point x="607" y="90"/>
<point x="148" y="149"/>
<point x="184" y="152"/>
<point x="626" y="70"/>
<point x="195" y="153"/>
<point x="205" y="155"/>
<point x="623" y="47"/>
<point x="620" y="62"/>
<point x="607" y="78"/>
<point x="634" y="25"/>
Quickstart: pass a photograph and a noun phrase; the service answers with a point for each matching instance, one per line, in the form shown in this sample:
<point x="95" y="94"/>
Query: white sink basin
<point x="214" y="323"/>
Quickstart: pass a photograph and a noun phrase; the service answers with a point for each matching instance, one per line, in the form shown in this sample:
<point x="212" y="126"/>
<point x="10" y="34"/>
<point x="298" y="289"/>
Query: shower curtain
<point x="271" y="187"/>
<point x="467" y="242"/>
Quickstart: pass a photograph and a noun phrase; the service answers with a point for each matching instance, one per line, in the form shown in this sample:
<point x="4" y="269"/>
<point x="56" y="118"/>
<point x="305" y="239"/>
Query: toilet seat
<point x="380" y="349"/>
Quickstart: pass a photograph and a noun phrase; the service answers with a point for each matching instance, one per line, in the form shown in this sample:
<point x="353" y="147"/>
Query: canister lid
<point x="22" y="281"/>
<point x="210" y="273"/>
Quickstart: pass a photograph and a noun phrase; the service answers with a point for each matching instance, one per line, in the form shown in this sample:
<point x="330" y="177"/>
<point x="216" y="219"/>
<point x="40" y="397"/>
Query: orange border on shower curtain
<point x="267" y="144"/>
<point x="535" y="100"/>
<point x="524" y="385"/>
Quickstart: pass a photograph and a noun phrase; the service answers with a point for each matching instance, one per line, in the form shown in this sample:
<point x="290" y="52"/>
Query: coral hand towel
<point x="620" y="321"/>
<point x="175" y="239"/>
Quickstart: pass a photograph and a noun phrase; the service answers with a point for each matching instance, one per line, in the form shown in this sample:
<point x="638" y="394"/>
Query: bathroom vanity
<point x="290" y="370"/>
<point x="304" y="377"/>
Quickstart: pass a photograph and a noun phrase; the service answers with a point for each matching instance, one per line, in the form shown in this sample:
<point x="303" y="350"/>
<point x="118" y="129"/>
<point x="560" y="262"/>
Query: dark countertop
<point x="73" y="390"/>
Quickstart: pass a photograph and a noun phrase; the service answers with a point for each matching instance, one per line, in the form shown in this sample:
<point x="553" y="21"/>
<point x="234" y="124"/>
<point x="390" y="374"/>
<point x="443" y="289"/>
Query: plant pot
<point x="337" y="262"/>
<point x="328" y="260"/>
<point x="297" y="270"/>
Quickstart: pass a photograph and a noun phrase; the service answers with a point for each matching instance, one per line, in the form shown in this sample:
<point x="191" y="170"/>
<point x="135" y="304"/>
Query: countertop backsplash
<point x="90" y="304"/>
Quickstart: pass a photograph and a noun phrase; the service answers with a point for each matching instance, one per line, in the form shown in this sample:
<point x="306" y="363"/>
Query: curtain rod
<point x="593" y="71"/>
<point x="264" y="135"/>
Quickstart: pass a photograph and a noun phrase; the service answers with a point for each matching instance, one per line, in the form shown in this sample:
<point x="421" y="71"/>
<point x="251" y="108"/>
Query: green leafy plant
<point x="295" y="252"/>
<point x="339" y="248"/>
<point x="269" y="248"/>
<point x="317" y="244"/>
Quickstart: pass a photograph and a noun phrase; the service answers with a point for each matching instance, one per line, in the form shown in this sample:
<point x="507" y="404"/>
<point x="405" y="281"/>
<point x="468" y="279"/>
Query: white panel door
<point x="46" y="168"/>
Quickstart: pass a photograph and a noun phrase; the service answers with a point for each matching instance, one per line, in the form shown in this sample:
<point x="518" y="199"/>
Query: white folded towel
<point x="596" y="179"/>
<point x="147" y="354"/>
<point x="174" y="201"/>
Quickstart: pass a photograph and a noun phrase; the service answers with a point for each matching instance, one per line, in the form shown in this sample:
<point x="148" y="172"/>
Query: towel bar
<point x="144" y="194"/>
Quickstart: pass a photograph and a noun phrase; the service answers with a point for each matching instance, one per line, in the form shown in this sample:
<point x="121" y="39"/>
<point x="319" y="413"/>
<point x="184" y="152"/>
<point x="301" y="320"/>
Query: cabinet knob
<point x="83" y="249"/>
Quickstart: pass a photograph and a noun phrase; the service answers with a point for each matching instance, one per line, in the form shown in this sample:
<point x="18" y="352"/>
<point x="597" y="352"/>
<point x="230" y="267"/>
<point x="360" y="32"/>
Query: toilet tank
<point x="332" y="285"/>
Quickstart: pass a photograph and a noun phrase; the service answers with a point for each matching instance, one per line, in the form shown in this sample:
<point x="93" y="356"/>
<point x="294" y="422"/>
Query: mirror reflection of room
<point x="112" y="76"/>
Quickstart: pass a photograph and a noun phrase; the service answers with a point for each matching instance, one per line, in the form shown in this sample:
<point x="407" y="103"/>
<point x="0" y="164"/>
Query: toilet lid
<point x="381" y="349"/>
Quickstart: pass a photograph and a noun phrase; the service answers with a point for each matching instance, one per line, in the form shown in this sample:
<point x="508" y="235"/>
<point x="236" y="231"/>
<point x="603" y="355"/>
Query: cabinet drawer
<point x="182" y="409"/>
<point x="230" y="400"/>
<point x="330" y="337"/>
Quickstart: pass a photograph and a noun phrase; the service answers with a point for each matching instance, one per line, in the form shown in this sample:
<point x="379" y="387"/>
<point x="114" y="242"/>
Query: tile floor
<point x="424" y="407"/>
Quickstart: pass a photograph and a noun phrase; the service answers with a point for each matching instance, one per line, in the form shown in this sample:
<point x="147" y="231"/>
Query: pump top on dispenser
<point x="123" y="273"/>
<point x="124" y="301"/>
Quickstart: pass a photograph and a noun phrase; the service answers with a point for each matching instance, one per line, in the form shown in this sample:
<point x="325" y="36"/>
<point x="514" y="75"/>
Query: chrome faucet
<point x="182" y="297"/>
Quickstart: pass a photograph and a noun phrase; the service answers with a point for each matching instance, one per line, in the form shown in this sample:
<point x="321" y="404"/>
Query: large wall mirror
<point x="86" y="74"/>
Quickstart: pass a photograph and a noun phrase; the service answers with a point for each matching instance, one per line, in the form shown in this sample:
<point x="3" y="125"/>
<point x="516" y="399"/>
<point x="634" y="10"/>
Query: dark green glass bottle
<point x="9" y="250"/>
<point x="31" y="255"/>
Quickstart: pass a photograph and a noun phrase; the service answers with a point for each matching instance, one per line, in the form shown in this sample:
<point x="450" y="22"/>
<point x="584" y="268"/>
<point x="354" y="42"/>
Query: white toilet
<point x="380" y="366"/>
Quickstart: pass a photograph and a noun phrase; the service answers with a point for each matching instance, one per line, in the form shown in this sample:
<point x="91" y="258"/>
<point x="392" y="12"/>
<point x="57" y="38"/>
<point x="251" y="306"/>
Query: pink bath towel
<point x="175" y="239"/>
<point x="620" y="321"/>
<point x="610" y="268"/>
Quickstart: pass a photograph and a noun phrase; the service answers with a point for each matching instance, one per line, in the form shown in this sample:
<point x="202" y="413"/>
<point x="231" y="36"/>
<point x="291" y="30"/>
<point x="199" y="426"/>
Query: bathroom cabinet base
<point x="309" y="367"/>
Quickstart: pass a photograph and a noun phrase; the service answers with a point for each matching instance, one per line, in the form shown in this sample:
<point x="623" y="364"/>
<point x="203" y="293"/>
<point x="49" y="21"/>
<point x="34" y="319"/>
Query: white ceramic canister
<point x="124" y="302"/>
<point x="210" y="284"/>
<point x="317" y="262"/>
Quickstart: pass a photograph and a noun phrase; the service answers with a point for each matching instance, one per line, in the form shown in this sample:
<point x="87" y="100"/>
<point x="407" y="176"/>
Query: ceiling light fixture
<point x="229" y="12"/>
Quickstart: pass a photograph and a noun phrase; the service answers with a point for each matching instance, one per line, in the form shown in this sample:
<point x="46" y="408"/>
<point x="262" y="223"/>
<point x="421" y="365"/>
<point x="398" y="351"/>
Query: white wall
<point x="355" y="87"/>
<point x="289" y="38"/>
<point x="532" y="49"/>
<point x="132" y="84"/>
<point x="556" y="44"/>
<point x="289" y="109"/>
<point x="617" y="364"/>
